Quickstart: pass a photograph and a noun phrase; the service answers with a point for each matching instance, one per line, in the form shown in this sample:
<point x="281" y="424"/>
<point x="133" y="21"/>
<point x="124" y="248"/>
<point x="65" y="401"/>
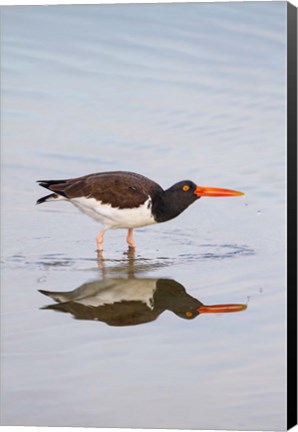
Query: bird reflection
<point x="132" y="301"/>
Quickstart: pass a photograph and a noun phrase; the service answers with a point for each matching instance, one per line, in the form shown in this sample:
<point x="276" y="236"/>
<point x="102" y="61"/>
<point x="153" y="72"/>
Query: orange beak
<point x="215" y="192"/>
<point x="222" y="308"/>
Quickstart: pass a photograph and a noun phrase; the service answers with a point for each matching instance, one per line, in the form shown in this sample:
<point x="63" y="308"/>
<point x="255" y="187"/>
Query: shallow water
<point x="172" y="91"/>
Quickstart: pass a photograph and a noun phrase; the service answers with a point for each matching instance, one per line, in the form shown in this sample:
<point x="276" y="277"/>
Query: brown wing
<point x="119" y="314"/>
<point x="119" y="188"/>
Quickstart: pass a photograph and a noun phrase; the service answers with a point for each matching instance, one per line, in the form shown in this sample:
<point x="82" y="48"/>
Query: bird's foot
<point x="130" y="240"/>
<point x="100" y="256"/>
<point x="130" y="253"/>
<point x="99" y="240"/>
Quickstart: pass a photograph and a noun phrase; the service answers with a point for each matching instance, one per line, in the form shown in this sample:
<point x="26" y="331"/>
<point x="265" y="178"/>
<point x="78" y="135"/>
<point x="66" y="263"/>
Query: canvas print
<point x="144" y="206"/>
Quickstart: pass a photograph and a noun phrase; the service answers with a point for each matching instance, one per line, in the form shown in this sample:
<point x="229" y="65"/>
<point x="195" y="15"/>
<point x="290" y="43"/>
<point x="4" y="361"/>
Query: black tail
<point x="47" y="198"/>
<point x="47" y="293"/>
<point x="48" y="183"/>
<point x="60" y="297"/>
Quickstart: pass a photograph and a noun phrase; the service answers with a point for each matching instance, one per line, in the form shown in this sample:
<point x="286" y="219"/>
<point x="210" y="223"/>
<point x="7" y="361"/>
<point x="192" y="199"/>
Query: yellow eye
<point x="188" y="314"/>
<point x="185" y="188"/>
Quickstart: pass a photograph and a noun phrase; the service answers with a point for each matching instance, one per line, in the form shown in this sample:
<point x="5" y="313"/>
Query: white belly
<point x="111" y="217"/>
<point x="110" y="291"/>
<point x="118" y="291"/>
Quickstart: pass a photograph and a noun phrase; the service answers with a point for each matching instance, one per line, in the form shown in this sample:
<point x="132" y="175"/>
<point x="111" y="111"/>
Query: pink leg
<point x="99" y="239"/>
<point x="129" y="238"/>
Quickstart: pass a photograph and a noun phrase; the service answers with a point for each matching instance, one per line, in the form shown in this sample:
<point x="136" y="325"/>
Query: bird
<point x="132" y="301"/>
<point x="123" y="199"/>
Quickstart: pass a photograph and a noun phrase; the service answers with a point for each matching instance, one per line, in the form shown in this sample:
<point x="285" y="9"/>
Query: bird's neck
<point x="166" y="206"/>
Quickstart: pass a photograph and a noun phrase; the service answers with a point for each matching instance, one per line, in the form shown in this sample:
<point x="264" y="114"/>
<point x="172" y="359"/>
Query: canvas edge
<point x="291" y="215"/>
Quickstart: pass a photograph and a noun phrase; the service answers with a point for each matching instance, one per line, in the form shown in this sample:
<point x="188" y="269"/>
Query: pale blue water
<point x="172" y="91"/>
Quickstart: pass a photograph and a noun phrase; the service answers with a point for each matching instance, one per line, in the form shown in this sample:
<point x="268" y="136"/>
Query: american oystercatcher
<point x="132" y="301"/>
<point x="121" y="199"/>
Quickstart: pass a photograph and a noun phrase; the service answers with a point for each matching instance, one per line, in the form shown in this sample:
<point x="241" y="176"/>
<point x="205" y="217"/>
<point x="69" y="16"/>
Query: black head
<point x="183" y="194"/>
<point x="185" y="189"/>
<point x="171" y="295"/>
<point x="177" y="198"/>
<point x="174" y="200"/>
